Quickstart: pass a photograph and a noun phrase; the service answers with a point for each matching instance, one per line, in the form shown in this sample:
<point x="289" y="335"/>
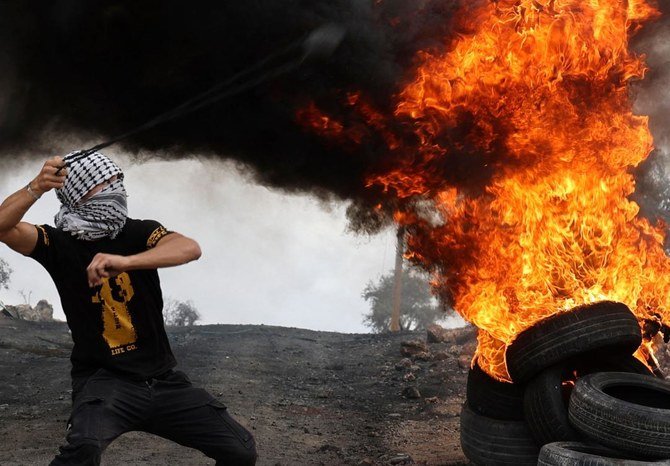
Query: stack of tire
<point x="579" y="397"/>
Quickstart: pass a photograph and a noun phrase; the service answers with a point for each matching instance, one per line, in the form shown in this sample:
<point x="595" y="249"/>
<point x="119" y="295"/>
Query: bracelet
<point x="32" y="193"/>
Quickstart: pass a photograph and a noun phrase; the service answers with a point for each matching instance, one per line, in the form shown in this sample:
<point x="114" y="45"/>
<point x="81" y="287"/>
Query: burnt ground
<point x="310" y="398"/>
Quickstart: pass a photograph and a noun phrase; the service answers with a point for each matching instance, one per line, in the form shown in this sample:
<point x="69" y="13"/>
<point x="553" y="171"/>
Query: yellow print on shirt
<point x="114" y="294"/>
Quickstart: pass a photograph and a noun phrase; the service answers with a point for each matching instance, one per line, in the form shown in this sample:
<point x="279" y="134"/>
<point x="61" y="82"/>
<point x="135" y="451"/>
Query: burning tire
<point x="606" y="327"/>
<point x="492" y="442"/>
<point x="546" y="397"/>
<point x="580" y="454"/>
<point x="491" y="398"/>
<point x="628" y="412"/>
<point x="545" y="407"/>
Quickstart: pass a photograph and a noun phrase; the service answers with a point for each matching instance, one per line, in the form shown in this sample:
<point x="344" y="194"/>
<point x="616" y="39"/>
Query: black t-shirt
<point x="118" y="325"/>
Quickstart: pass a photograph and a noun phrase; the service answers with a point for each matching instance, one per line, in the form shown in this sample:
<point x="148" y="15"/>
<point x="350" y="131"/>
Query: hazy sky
<point x="268" y="258"/>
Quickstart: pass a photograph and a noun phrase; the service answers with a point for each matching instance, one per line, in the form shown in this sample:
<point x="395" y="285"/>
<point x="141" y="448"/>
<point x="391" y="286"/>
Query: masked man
<point x="104" y="267"/>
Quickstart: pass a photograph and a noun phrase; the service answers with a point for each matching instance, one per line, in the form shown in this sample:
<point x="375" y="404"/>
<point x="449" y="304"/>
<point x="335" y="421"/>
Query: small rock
<point x="403" y="364"/>
<point x="329" y="447"/>
<point x="431" y="399"/>
<point x="365" y="462"/>
<point x="464" y="335"/>
<point x="441" y="356"/>
<point x="401" y="459"/>
<point x="42" y="312"/>
<point x="409" y="377"/>
<point x="423" y="356"/>
<point x="411" y="393"/>
<point x="464" y="361"/>
<point x="411" y="347"/>
<point x="436" y="333"/>
<point x="455" y="349"/>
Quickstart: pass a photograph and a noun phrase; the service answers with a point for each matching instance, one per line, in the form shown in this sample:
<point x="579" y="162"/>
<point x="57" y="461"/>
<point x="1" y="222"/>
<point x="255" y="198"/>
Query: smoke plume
<point x="93" y="70"/>
<point x="97" y="69"/>
<point x="652" y="97"/>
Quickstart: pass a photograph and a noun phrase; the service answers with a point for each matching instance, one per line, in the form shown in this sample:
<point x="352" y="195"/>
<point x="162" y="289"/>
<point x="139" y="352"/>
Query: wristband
<point x="32" y="193"/>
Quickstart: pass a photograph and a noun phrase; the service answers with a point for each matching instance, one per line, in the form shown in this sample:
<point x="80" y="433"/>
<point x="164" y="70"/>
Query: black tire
<point x="606" y="327"/>
<point x="545" y="407"/>
<point x="488" y="397"/>
<point x="547" y="395"/>
<point x="627" y="412"/>
<point x="583" y="454"/>
<point x="591" y="363"/>
<point x="493" y="442"/>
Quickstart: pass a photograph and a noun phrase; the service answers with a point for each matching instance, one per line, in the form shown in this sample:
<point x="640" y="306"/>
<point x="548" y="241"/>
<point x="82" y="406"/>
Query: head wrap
<point x="102" y="215"/>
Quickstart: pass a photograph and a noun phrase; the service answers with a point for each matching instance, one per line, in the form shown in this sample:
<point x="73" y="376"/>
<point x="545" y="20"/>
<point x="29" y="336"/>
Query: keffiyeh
<point x="103" y="214"/>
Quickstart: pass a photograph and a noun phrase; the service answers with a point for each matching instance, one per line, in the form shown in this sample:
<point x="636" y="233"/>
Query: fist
<point x="47" y="178"/>
<point x="105" y="266"/>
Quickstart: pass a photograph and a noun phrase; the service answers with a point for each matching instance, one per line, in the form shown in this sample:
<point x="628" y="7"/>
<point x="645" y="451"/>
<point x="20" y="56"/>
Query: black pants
<point x="106" y="406"/>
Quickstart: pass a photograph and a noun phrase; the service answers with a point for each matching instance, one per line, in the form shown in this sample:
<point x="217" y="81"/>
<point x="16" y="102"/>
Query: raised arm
<point x="22" y="236"/>
<point x="172" y="250"/>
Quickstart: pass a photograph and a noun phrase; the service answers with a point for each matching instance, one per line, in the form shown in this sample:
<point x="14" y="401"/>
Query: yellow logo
<point x="114" y="294"/>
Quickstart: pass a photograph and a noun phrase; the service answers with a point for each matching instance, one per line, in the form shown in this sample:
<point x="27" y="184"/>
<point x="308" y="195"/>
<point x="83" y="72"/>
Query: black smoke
<point x="652" y="98"/>
<point x="95" y="69"/>
<point x="91" y="70"/>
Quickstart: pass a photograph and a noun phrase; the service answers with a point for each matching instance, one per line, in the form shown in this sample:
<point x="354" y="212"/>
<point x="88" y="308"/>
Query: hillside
<point x="310" y="398"/>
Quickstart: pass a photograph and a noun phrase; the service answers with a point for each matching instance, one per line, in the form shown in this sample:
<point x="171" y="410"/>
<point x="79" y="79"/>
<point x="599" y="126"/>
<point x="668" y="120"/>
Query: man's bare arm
<point x="172" y="250"/>
<point x="22" y="236"/>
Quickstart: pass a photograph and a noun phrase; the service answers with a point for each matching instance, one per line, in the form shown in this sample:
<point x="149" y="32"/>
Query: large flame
<point x="536" y="93"/>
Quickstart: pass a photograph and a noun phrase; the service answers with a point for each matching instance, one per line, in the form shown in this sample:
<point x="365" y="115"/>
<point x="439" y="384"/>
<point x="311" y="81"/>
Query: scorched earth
<point x="310" y="398"/>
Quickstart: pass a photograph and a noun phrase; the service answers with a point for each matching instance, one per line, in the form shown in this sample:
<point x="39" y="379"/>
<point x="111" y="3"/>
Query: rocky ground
<point x="310" y="398"/>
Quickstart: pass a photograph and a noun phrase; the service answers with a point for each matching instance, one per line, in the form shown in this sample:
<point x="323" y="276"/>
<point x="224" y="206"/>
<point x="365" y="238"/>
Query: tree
<point x="418" y="306"/>
<point x="180" y="313"/>
<point x="5" y="274"/>
<point x="27" y="297"/>
<point x="398" y="280"/>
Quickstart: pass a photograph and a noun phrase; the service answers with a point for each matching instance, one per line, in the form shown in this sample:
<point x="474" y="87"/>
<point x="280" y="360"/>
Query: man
<point x="104" y="267"/>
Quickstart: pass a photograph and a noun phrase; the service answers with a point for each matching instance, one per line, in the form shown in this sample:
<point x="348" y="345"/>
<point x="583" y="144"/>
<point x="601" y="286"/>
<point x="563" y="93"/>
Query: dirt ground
<point x="310" y="398"/>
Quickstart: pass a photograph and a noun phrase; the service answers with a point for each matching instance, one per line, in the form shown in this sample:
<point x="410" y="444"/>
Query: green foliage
<point x="5" y="274"/>
<point x="418" y="306"/>
<point x="180" y="313"/>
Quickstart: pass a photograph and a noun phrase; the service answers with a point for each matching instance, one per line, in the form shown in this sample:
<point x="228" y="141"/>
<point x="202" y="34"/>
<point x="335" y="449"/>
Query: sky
<point x="268" y="257"/>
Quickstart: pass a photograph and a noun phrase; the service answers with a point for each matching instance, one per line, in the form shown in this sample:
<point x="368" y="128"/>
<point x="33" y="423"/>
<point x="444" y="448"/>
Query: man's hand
<point x="171" y="250"/>
<point x="105" y="266"/>
<point x="22" y="236"/>
<point x="47" y="178"/>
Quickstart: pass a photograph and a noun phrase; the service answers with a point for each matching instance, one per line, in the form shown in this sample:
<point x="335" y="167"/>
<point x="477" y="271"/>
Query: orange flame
<point x="312" y="116"/>
<point x="536" y="92"/>
<point x="548" y="81"/>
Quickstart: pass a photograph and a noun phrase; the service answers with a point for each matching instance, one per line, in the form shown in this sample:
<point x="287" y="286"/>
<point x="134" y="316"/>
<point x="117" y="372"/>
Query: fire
<point x="530" y="101"/>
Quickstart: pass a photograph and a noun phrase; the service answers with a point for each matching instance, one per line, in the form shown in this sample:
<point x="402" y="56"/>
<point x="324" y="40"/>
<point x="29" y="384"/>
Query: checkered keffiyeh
<point x="103" y="214"/>
<point x="84" y="174"/>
